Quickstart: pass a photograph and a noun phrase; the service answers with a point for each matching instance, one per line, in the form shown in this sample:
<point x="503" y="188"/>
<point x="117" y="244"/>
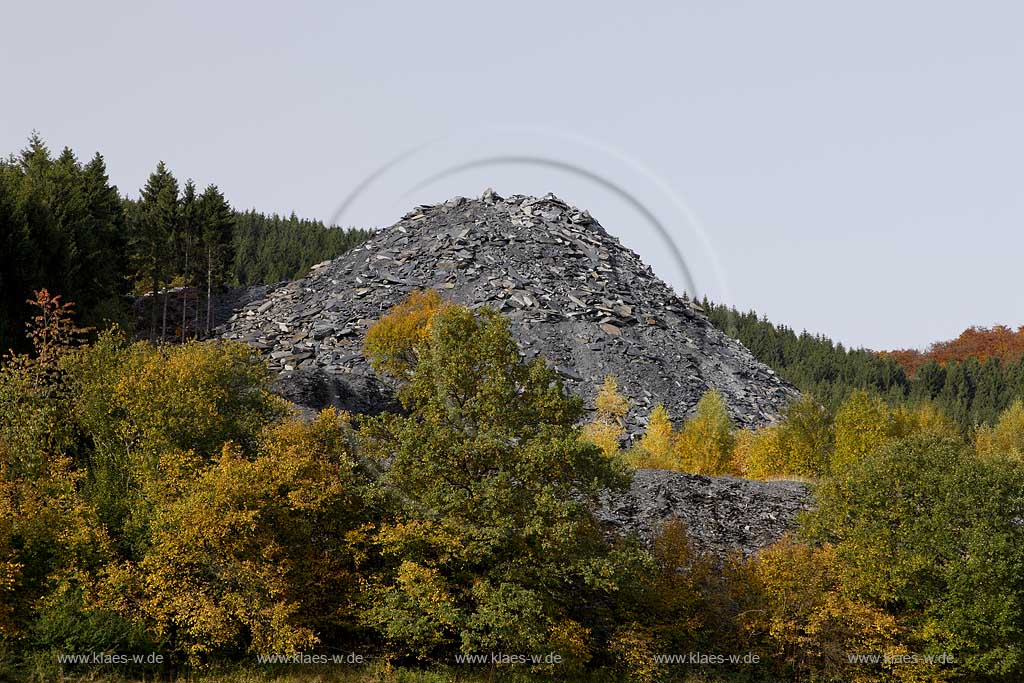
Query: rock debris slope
<point x="722" y="514"/>
<point x="575" y="296"/>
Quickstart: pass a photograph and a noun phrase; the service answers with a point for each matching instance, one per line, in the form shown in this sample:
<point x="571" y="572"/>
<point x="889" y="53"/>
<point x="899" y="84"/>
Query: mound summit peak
<point x="575" y="296"/>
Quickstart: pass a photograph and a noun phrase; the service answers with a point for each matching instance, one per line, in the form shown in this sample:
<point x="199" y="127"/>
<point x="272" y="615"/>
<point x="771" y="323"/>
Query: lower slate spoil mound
<point x="574" y="295"/>
<point x="722" y="514"/>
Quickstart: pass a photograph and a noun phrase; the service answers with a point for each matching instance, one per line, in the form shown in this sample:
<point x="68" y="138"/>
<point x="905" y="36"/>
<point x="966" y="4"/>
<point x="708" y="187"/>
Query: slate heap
<point x="574" y="295"/>
<point x="722" y="514"/>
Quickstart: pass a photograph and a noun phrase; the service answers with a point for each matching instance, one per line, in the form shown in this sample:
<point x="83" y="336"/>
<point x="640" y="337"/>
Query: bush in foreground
<point x="492" y="547"/>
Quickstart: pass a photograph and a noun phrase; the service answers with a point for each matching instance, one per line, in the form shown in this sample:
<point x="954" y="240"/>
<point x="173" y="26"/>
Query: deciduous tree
<point x="256" y="554"/>
<point x="929" y="532"/>
<point x="606" y="428"/>
<point x="493" y="545"/>
<point x="705" y="442"/>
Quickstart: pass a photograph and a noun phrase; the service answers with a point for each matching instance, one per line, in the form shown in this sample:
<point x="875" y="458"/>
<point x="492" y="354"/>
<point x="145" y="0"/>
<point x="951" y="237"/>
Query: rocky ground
<point x="186" y="310"/>
<point x="722" y="514"/>
<point x="574" y="295"/>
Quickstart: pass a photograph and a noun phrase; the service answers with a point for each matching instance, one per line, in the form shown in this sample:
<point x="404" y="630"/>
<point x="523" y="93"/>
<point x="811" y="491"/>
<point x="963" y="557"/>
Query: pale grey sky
<point x="856" y="167"/>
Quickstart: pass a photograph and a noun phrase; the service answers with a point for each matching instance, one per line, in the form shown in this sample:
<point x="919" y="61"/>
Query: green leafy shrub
<point x="492" y="546"/>
<point x="931" y="533"/>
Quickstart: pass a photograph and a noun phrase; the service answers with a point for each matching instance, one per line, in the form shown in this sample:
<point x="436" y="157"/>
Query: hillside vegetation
<point x="981" y="343"/>
<point x="64" y="227"/>
<point x="972" y="379"/>
<point x="212" y="527"/>
<point x="159" y="499"/>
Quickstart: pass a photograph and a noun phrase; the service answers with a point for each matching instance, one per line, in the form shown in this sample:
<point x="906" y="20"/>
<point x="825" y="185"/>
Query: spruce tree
<point x="990" y="395"/>
<point x="931" y="377"/>
<point x="958" y="393"/>
<point x="62" y="230"/>
<point x="188" y="238"/>
<point x="153" y="228"/>
<point x="105" y="246"/>
<point x="216" y="223"/>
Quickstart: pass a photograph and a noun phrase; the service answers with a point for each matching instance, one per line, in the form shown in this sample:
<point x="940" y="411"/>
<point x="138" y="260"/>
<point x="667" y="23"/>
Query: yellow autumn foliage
<point x="138" y="401"/>
<point x="1006" y="437"/>
<point x="762" y="453"/>
<point x="420" y="610"/>
<point x="926" y="418"/>
<point x="50" y="541"/>
<point x="798" y="446"/>
<point x="634" y="649"/>
<point x="571" y="640"/>
<point x="655" y="449"/>
<point x="391" y="342"/>
<point x="807" y="624"/>
<point x="863" y="424"/>
<point x="252" y="553"/>
<point x="704" y="444"/>
<point x="606" y="429"/>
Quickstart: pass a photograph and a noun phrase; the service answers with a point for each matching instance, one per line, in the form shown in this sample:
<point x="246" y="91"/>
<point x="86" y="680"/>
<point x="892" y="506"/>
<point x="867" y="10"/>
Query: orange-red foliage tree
<point x="982" y="343"/>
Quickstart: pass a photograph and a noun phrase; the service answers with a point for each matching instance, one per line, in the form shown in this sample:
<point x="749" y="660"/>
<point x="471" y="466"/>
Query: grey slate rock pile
<point x="574" y="295"/>
<point x="313" y="390"/>
<point x="722" y="514"/>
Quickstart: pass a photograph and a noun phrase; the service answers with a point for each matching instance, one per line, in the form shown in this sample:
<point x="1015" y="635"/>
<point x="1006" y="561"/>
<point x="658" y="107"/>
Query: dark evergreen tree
<point x="104" y="247"/>
<point x="65" y="228"/>
<point x="61" y="228"/>
<point x="20" y="266"/>
<point x="189" y="233"/>
<point x="271" y="248"/>
<point x="1015" y="380"/>
<point x="216" y="221"/>
<point x="958" y="392"/>
<point x="813" y="363"/>
<point x="153" y="229"/>
<point x="990" y="393"/>
<point x="931" y="378"/>
<point x="972" y="393"/>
